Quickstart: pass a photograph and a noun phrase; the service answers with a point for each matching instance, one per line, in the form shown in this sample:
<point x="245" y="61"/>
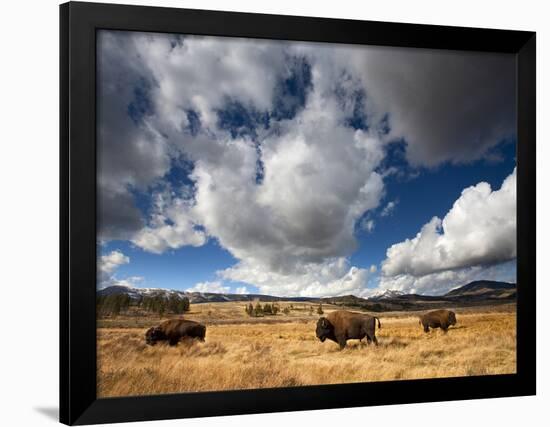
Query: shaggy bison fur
<point x="340" y="326"/>
<point x="438" y="319"/>
<point x="173" y="330"/>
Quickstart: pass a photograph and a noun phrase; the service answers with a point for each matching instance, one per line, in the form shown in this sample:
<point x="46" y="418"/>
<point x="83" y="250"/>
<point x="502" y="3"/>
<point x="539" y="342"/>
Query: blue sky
<point x="232" y="165"/>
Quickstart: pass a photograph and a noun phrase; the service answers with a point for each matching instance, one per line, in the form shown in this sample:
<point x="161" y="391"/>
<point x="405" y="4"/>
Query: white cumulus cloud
<point x="215" y="287"/>
<point x="110" y="262"/>
<point x="478" y="231"/>
<point x="332" y="277"/>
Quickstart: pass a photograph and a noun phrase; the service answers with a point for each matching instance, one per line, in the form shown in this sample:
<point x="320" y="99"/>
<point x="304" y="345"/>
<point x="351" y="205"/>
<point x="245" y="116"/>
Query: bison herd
<point x="338" y="326"/>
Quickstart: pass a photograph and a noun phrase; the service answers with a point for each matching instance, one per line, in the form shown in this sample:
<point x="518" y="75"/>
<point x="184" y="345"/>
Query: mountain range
<point x="194" y="297"/>
<point x="474" y="293"/>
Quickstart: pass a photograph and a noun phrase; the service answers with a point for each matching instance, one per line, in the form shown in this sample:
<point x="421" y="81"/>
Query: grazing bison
<point x="340" y="326"/>
<point x="173" y="330"/>
<point x="438" y="319"/>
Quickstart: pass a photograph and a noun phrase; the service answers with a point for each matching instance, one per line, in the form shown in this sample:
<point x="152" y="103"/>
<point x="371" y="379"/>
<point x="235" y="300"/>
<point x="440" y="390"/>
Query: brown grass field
<point x="281" y="351"/>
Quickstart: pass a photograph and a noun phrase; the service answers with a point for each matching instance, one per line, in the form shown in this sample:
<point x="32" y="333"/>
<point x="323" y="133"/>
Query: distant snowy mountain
<point x="194" y="297"/>
<point x="137" y="293"/>
<point x="385" y="294"/>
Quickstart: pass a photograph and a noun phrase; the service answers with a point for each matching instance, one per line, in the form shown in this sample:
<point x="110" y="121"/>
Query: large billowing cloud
<point x="319" y="178"/>
<point x="130" y="155"/>
<point x="448" y="106"/>
<point x="478" y="231"/>
<point x="150" y="89"/>
<point x="282" y="196"/>
<point x="282" y="145"/>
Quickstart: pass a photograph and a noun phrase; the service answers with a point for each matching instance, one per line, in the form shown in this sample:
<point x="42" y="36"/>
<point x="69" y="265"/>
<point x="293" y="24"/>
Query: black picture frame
<point x="78" y="25"/>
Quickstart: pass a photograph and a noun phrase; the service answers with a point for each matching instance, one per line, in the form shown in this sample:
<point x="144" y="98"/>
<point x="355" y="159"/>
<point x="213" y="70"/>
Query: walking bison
<point x="340" y="326"/>
<point x="173" y="330"/>
<point x="437" y="319"/>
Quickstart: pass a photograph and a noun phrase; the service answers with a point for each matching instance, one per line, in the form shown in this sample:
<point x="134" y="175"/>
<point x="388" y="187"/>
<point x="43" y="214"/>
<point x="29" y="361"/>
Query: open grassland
<point x="281" y="351"/>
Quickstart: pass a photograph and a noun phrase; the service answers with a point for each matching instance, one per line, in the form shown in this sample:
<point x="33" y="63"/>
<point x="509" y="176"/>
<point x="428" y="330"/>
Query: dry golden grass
<point x="259" y="353"/>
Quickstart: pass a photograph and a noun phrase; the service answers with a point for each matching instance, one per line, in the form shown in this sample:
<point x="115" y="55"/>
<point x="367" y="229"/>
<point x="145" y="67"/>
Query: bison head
<point x="324" y="329"/>
<point x="153" y="335"/>
<point x="452" y="318"/>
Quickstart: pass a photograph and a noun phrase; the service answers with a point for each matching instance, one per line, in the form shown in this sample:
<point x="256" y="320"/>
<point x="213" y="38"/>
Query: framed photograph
<point x="267" y="213"/>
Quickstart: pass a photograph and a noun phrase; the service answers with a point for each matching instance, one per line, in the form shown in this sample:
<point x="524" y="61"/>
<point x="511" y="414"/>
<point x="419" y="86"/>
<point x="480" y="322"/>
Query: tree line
<point x="260" y="310"/>
<point x="267" y="309"/>
<point x="113" y="305"/>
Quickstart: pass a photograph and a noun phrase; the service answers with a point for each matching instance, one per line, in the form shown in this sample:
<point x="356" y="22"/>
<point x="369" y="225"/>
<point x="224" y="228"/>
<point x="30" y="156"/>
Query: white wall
<point x="29" y="207"/>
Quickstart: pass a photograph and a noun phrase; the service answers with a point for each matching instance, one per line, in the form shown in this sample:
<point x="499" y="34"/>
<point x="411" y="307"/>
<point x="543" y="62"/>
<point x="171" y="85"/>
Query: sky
<point x="302" y="169"/>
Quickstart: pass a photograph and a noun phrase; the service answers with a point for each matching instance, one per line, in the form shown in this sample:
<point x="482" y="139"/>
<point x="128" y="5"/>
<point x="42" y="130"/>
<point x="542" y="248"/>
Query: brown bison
<point x="340" y="326"/>
<point x="173" y="330"/>
<point x="437" y="319"/>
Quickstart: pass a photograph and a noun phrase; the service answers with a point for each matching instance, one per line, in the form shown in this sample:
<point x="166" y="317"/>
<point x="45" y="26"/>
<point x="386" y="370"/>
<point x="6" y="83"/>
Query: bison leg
<point x="173" y="341"/>
<point x="444" y="329"/>
<point x="341" y="342"/>
<point x="426" y="328"/>
<point x="372" y="337"/>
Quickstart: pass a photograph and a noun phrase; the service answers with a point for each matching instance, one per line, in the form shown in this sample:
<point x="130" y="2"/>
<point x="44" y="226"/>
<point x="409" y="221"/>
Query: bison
<point x="340" y="326"/>
<point x="173" y="330"/>
<point x="437" y="319"/>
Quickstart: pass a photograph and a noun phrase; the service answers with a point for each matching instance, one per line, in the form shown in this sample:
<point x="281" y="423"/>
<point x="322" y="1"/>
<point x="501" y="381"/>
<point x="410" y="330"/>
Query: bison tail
<point x="378" y="321"/>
